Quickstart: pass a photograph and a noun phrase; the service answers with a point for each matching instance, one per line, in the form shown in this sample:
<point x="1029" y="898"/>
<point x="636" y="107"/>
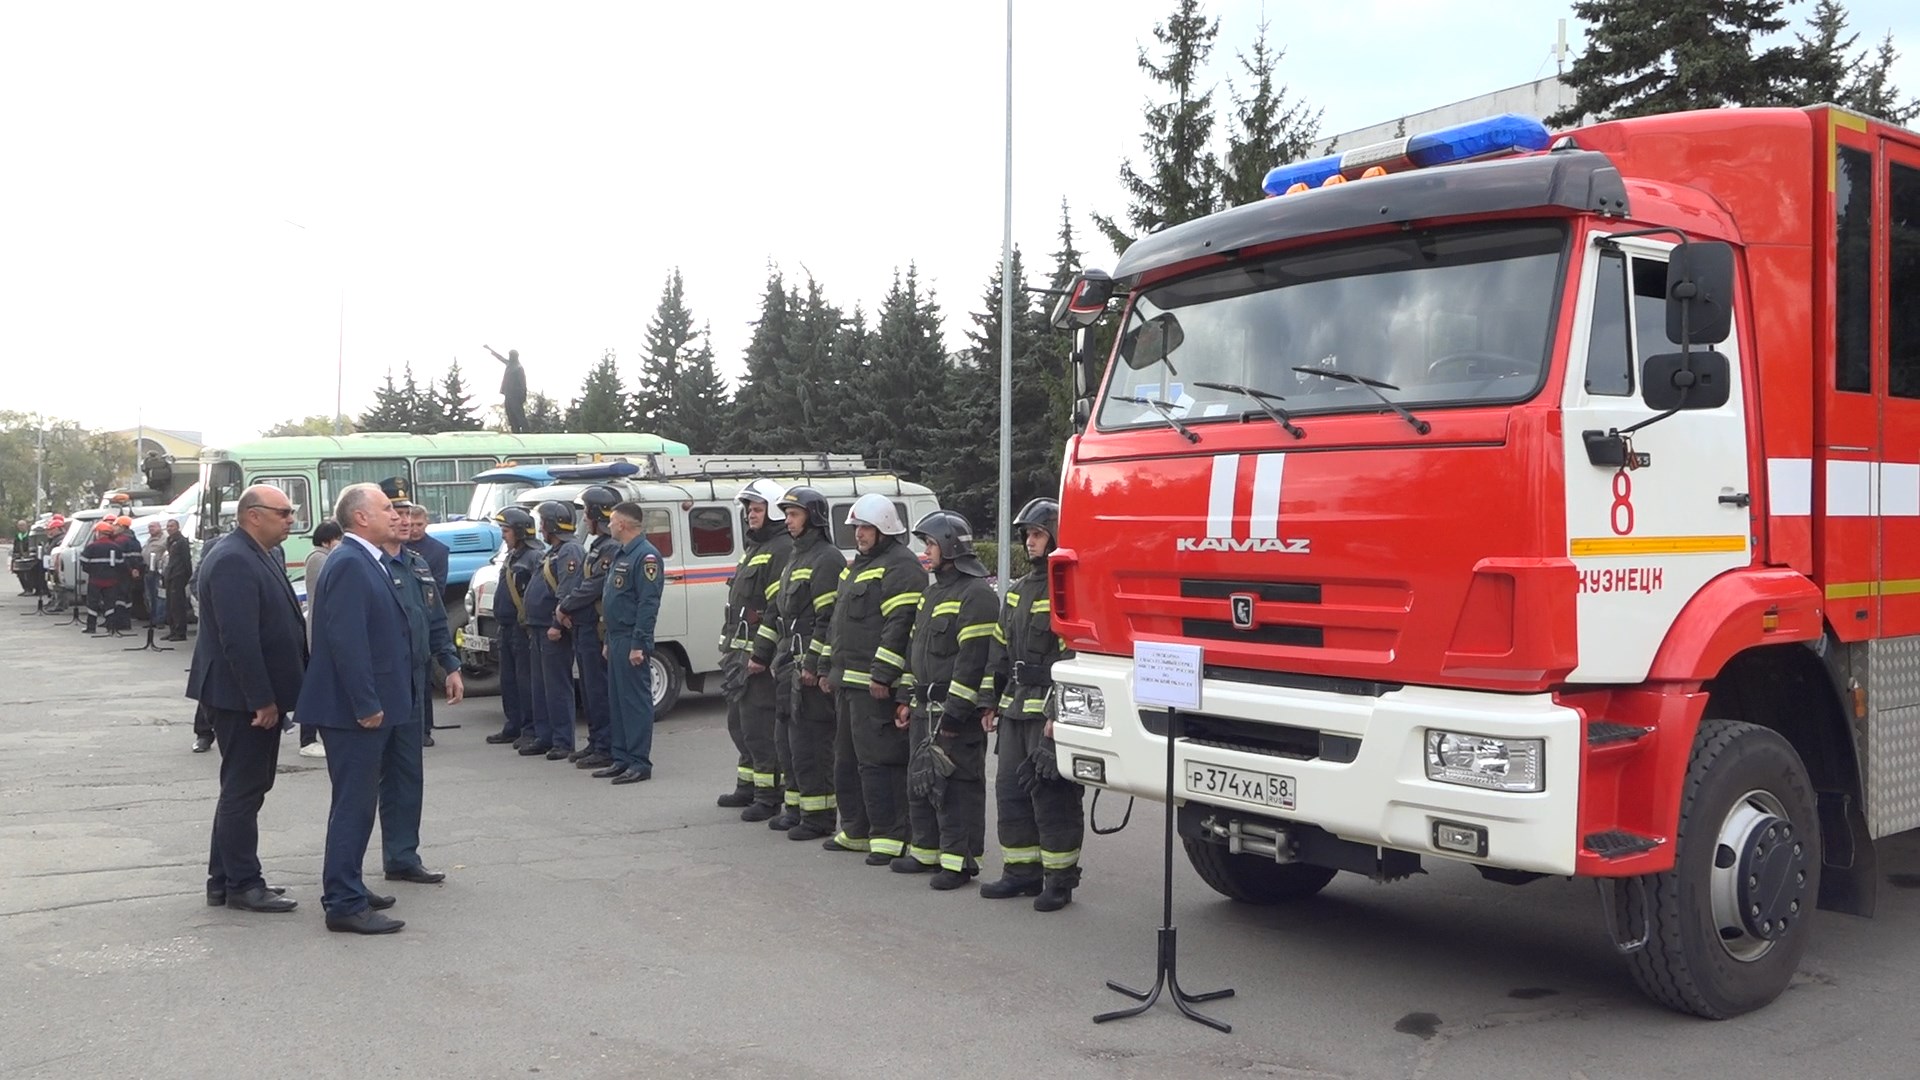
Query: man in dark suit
<point x="436" y="555"/>
<point x="247" y="671"/>
<point x="359" y="691"/>
<point x="179" y="563"/>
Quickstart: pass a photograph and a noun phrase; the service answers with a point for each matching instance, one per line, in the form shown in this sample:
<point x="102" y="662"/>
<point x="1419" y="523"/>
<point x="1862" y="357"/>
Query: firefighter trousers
<point x="756" y="733"/>
<point x="733" y="686"/>
<point x="950" y="822"/>
<point x="810" y="749"/>
<point x="1041" y="831"/>
<point x="785" y="677"/>
<point x="879" y="753"/>
<point x="593" y="686"/>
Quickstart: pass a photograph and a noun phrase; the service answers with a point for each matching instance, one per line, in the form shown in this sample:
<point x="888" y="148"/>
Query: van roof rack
<point x="730" y="466"/>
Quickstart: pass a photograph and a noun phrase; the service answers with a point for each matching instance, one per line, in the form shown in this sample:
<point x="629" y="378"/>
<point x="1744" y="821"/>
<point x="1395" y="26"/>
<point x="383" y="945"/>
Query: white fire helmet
<point x="763" y="491"/>
<point x="877" y="510"/>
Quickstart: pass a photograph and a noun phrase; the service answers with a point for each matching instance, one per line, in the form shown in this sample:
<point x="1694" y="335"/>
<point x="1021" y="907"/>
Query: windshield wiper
<point x="1260" y="398"/>
<point x="1374" y="386"/>
<point x="1165" y="412"/>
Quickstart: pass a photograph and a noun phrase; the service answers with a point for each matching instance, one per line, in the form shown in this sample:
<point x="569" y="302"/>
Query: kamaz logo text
<point x="1263" y="517"/>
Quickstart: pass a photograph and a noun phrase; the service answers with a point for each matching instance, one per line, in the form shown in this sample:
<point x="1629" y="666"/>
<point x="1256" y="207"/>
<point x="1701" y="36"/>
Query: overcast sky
<point x="192" y="189"/>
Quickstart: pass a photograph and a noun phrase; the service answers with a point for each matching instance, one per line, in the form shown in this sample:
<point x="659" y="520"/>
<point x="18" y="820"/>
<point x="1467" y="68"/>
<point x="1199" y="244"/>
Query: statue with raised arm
<point x="513" y="388"/>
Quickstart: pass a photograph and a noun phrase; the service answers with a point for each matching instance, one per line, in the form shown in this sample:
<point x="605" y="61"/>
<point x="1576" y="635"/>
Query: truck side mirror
<point x="1700" y="294"/>
<point x="1700" y="380"/>
<point x="1085" y="301"/>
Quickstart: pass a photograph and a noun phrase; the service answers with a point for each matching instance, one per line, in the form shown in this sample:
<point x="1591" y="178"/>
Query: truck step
<point x="1618" y="844"/>
<point x="1602" y="733"/>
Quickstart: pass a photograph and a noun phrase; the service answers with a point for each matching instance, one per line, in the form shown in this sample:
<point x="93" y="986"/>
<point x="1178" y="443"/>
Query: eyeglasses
<point x="285" y="512"/>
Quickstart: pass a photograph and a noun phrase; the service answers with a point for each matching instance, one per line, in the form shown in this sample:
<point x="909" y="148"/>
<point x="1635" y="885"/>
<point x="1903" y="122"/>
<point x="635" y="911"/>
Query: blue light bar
<point x="599" y="470"/>
<point x="1506" y="133"/>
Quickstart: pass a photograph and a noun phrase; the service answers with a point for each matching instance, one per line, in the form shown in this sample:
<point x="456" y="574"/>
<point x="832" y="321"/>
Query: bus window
<point x="444" y="485"/>
<point x="295" y="489"/>
<point x="336" y="476"/>
<point x="659" y="528"/>
<point x="710" y="530"/>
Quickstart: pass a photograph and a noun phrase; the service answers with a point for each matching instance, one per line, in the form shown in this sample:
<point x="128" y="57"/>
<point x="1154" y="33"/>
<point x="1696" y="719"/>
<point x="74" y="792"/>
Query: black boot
<point x="1058" y="890"/>
<point x="741" y="795"/>
<point x="950" y="879"/>
<point x="812" y="828"/>
<point x="1012" y="883"/>
<point x="760" y="811"/>
<point x="784" y="820"/>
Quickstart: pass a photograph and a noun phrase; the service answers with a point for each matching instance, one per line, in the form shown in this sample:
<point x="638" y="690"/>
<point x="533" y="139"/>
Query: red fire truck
<point x="1547" y="502"/>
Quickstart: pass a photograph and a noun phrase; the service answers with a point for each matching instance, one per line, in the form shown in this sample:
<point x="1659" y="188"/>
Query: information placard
<point x="1166" y="675"/>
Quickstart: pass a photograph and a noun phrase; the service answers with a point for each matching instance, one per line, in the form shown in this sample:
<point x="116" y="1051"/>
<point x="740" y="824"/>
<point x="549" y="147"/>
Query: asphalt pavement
<point x="586" y="930"/>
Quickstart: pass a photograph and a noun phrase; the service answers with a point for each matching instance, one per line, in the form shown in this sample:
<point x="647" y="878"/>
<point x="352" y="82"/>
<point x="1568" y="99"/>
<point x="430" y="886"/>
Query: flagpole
<point x="1007" y="285"/>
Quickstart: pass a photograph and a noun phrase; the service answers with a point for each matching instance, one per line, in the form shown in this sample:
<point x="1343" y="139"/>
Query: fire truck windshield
<point x="1455" y="316"/>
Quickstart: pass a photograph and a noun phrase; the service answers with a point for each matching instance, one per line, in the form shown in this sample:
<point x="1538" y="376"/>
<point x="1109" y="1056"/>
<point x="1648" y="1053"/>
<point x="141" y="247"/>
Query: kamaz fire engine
<point x="1548" y="502"/>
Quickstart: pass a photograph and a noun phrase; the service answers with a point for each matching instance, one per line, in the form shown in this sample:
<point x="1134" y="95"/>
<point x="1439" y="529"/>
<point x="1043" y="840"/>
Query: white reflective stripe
<point x="1226" y="481"/>
<point x="1850" y="488"/>
<point x="1264" y="521"/>
<point x="1899" y="490"/>
<point x="1790" y="487"/>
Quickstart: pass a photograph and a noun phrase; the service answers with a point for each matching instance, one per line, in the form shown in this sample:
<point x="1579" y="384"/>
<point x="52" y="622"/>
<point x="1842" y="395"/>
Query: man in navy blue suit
<point x="359" y="691"/>
<point x="247" y="671"/>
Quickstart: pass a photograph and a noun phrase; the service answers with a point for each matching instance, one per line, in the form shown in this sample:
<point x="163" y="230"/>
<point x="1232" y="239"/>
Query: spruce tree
<point x="389" y="412"/>
<point x="902" y="401"/>
<point x="1645" y="57"/>
<point x="662" y="361"/>
<point x="1182" y="174"/>
<point x="1266" y="129"/>
<point x="544" y="415"/>
<point x="1871" y="90"/>
<point x="456" y="403"/>
<point x="853" y="360"/>
<point x="1823" y="58"/>
<point x="704" y="413"/>
<point x="421" y="413"/>
<point x="602" y="404"/>
<point x="814" y="370"/>
<point x="764" y="406"/>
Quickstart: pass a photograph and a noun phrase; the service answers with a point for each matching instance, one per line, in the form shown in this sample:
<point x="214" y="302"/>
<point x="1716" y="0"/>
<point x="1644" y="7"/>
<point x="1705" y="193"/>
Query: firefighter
<point x="632" y="597"/>
<point x="580" y="613"/>
<point x="1039" y="814"/>
<point x="804" y="603"/>
<point x="558" y="572"/>
<point x="947" y="775"/>
<point x="749" y="686"/>
<point x="871" y="621"/>
<point x="100" y="562"/>
<point x="509" y="607"/>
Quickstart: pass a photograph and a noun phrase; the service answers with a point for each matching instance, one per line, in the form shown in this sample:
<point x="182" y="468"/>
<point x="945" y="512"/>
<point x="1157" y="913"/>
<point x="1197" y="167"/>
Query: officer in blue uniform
<point x="552" y="645"/>
<point x="632" y="602"/>
<point x="580" y="614"/>
<point x="403" y="780"/>
<point x="509" y="598"/>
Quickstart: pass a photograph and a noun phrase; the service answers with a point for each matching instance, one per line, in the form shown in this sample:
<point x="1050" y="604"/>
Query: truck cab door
<point x="1896" y="322"/>
<point x="1645" y="537"/>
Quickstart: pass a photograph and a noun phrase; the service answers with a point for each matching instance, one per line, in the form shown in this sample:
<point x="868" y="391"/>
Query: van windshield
<point x="1461" y="315"/>
<point x="492" y="497"/>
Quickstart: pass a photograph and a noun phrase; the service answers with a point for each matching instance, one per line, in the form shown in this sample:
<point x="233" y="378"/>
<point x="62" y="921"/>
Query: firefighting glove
<point x="1039" y="768"/>
<point x="921" y="775"/>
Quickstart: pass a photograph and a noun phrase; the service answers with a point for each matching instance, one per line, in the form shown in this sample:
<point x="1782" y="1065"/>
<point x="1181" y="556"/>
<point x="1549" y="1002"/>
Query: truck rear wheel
<point x="1727" y="925"/>
<point x="1254" y="879"/>
<point x="669" y="678"/>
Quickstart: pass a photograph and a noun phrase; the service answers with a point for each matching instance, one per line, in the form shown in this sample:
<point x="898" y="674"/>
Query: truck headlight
<point x="1483" y="761"/>
<point x="1081" y="706"/>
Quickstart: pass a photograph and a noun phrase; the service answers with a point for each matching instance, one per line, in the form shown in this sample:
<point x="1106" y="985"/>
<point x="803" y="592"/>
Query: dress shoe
<point x="609" y="772"/>
<point x="524" y="740"/>
<point x="426" y="738"/>
<point x="949" y="879"/>
<point x="259" y="899"/>
<point x="202" y="743"/>
<point x="594" y="760"/>
<point x="499" y="737"/>
<point x="535" y="750"/>
<point x="558" y="753"/>
<point x="876" y="858"/>
<point x="174" y="637"/>
<point x="759" y="811"/>
<point x="633" y="776"/>
<point x="419" y="875"/>
<point x="907" y="864"/>
<point x="364" y="921"/>
<point x="1010" y="886"/>
<point x="808" y="830"/>
<point x="580" y="753"/>
<point x="218" y="897"/>
<point x="740" y="796"/>
<point x="784" y="820"/>
<point x="378" y="902"/>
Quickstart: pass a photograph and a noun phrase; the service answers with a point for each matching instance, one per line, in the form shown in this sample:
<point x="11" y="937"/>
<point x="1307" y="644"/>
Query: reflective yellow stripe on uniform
<point x="767" y="631"/>
<point x="1059" y="860"/>
<point x="793" y="799"/>
<point x="822" y="600"/>
<point x="745" y="773"/>
<point x="1020" y="854"/>
<point x="946" y="607"/>
<point x="925" y="856"/>
<point x="895" y="603"/>
<point x="773" y="588"/>
<point x="978" y="630"/>
<point x="762" y="779"/>
<point x="849" y="842"/>
<point x="801" y="573"/>
<point x="955" y="863"/>
<point x="855" y="678"/>
<point x="1013" y="599"/>
<point x="818" y="648"/>
<point x="888" y="656"/>
<point x="1041" y="607"/>
<point x="813" y="804"/>
<point x="964" y="692"/>
<point x="999" y="635"/>
<point x="882" y="845"/>
<point x="874" y="574"/>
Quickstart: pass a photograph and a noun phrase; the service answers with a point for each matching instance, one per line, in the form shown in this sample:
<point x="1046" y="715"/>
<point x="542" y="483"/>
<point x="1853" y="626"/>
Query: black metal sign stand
<point x="1165" y="976"/>
<point x="149" y="644"/>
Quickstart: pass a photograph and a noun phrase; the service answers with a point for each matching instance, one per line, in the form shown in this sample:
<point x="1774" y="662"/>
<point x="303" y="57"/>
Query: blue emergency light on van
<point x="598" y="470"/>
<point x="1503" y="134"/>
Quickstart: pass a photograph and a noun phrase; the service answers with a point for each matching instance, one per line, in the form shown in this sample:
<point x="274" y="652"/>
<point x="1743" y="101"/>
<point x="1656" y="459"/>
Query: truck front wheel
<point x="1727" y="925"/>
<point x="1254" y="879"/>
